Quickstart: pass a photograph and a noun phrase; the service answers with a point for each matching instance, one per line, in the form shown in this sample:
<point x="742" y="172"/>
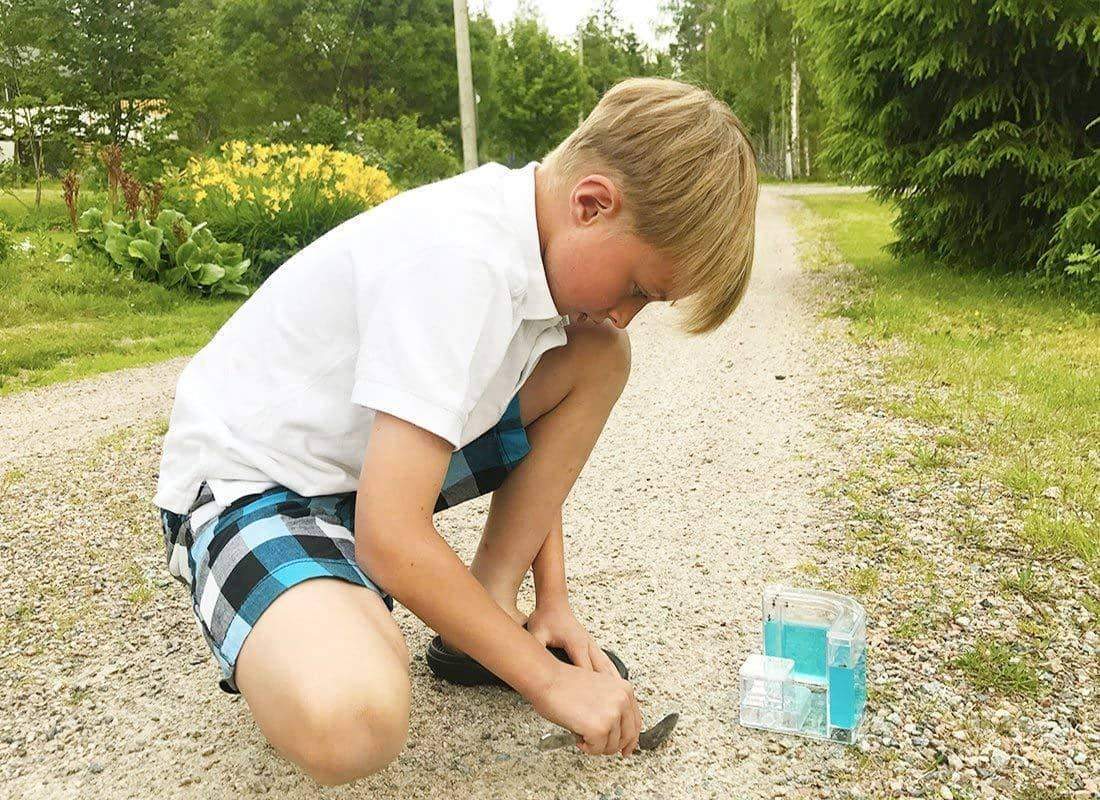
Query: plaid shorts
<point x="237" y="560"/>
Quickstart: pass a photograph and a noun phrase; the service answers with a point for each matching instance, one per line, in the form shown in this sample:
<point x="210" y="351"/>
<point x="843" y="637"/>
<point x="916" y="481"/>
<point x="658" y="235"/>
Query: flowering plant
<point x="277" y="198"/>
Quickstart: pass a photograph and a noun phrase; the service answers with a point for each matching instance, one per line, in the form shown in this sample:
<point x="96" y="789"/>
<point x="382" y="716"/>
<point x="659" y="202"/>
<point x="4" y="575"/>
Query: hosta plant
<point x="169" y="251"/>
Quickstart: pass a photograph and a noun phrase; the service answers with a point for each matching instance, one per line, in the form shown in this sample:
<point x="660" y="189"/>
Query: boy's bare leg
<point x="564" y="404"/>
<point x="325" y="672"/>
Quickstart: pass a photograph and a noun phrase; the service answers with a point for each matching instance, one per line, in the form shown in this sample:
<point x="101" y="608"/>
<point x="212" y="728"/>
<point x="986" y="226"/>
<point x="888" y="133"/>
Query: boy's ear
<point x="594" y="196"/>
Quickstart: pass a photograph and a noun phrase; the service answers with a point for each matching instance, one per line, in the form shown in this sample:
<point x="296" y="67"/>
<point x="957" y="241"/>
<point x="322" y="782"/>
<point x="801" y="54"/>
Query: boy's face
<point x="595" y="267"/>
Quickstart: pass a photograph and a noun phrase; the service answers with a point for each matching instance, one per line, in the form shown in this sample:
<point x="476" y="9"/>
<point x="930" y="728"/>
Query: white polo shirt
<point x="432" y="306"/>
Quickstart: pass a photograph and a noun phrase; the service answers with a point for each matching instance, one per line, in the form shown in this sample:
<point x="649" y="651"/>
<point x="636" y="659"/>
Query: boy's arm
<point x="397" y="544"/>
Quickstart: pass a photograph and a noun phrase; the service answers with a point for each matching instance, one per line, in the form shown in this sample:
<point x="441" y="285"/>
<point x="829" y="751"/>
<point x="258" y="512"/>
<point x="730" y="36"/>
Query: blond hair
<point x="687" y="172"/>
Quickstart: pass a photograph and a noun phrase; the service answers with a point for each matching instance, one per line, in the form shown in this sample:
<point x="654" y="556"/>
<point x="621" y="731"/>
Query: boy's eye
<point x="639" y="293"/>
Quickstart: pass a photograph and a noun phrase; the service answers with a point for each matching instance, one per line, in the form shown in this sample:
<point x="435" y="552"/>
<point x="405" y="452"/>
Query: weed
<point x="992" y="666"/>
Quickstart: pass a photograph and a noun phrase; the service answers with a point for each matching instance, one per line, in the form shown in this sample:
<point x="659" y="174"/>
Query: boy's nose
<point x="620" y="317"/>
<point x="621" y="314"/>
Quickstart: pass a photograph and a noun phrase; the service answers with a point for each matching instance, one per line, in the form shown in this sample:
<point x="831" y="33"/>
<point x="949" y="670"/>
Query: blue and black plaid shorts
<point x="237" y="560"/>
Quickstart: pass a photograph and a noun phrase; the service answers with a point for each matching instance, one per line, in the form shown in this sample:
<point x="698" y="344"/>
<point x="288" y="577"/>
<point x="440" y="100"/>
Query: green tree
<point x="202" y="111"/>
<point x="112" y="54"/>
<point x="32" y="78"/>
<point x="971" y="116"/>
<point x="410" y="154"/>
<point x="540" y="91"/>
<point x="611" y="52"/>
<point x="749" y="54"/>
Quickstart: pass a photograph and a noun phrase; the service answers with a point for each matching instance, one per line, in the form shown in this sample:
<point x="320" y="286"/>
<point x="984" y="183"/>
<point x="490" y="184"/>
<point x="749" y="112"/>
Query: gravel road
<point x="704" y="486"/>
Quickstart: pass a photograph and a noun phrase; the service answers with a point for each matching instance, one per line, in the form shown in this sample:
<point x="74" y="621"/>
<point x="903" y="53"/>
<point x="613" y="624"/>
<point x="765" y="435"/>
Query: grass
<point x="992" y="666"/>
<point x="997" y="362"/>
<point x="17" y="208"/>
<point x="1027" y="584"/>
<point x="61" y="321"/>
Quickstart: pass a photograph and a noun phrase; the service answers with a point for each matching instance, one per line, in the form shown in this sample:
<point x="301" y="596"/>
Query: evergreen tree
<point x="971" y="116"/>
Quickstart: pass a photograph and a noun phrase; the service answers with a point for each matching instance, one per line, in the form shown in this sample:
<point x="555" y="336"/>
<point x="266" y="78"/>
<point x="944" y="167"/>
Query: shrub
<point x="411" y="154"/>
<point x="1073" y="249"/>
<point x="276" y="199"/>
<point x="169" y="251"/>
<point x="972" y="117"/>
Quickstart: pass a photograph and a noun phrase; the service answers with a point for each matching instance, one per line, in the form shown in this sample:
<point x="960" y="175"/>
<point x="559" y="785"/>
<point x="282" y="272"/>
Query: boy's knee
<point x="607" y="352"/>
<point x="341" y="740"/>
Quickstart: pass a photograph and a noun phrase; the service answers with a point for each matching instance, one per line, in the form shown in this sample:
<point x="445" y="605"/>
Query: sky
<point x="563" y="16"/>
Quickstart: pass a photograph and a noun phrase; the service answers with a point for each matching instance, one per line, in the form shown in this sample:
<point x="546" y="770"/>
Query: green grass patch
<point x="141" y="591"/>
<point x="18" y="210"/>
<point x="11" y="477"/>
<point x="1003" y="363"/>
<point x="1033" y="791"/>
<point x="995" y="667"/>
<point x="1027" y="584"/>
<point x="60" y="321"/>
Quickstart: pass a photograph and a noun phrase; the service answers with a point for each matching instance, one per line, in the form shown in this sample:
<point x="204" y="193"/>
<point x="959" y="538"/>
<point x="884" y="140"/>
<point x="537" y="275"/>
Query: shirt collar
<point x="538" y="302"/>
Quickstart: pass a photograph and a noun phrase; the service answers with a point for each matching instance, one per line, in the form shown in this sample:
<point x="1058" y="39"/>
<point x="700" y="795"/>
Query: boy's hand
<point x="600" y="707"/>
<point x="554" y="624"/>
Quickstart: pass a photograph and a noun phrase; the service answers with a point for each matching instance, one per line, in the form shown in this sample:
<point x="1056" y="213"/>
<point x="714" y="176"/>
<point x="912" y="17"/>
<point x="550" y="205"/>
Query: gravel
<point x="712" y="477"/>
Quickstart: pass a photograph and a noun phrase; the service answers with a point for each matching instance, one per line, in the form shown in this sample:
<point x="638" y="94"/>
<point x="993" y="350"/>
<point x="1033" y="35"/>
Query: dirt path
<point x="703" y="486"/>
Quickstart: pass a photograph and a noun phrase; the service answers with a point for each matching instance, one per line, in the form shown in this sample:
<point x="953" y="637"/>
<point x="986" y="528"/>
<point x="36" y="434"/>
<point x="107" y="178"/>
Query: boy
<point x="414" y="357"/>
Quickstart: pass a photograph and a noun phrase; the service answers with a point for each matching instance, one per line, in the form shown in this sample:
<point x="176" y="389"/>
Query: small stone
<point x="95" y="768"/>
<point x="946" y="793"/>
<point x="1053" y="493"/>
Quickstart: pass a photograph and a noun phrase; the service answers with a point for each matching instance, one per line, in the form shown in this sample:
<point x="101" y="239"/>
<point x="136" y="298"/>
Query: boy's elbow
<point x="378" y="534"/>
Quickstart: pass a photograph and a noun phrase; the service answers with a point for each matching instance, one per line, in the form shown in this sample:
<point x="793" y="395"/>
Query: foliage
<point x="1009" y="363"/>
<point x="971" y="116"/>
<point x="410" y="154"/>
<point x="33" y="79"/>
<point x="612" y="52"/>
<point x="65" y="318"/>
<point x="320" y="125"/>
<point x="169" y="251"/>
<point x="1074" y="247"/>
<point x="741" y="50"/>
<point x="541" y="92"/>
<point x="276" y="199"/>
<point x="5" y="242"/>
<point x="112" y="59"/>
<point x="385" y="58"/>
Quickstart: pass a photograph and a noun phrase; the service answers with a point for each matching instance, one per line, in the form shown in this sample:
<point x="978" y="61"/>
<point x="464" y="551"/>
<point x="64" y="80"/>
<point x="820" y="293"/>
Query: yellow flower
<point x="273" y="175"/>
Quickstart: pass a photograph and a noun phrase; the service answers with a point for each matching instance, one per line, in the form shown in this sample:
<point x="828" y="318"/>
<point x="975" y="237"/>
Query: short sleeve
<point x="432" y="335"/>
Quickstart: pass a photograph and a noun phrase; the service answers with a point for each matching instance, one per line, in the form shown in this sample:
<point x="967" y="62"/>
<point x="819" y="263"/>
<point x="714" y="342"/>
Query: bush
<point x="970" y="116"/>
<point x="411" y="154"/>
<point x="276" y="199"/>
<point x="1073" y="249"/>
<point x="169" y="251"/>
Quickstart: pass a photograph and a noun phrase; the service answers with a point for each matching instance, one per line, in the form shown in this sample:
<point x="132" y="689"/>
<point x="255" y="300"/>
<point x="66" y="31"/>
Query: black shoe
<point x="465" y="671"/>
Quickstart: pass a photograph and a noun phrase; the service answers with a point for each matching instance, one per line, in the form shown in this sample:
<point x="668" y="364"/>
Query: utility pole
<point x="465" y="85"/>
<point x="580" y="60"/>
